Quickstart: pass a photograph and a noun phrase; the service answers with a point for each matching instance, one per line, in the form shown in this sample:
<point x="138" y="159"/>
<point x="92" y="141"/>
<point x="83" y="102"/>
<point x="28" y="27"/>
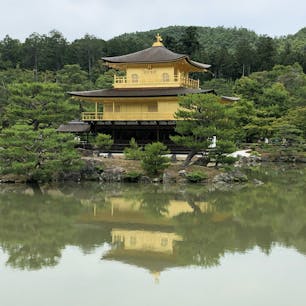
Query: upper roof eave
<point x="198" y="65"/>
<point x="153" y="55"/>
<point x="149" y="55"/>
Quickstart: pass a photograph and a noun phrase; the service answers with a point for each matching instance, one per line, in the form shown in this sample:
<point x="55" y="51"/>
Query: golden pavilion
<point x="142" y="103"/>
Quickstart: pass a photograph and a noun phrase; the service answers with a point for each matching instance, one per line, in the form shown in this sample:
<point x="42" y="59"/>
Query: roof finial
<point x="158" y="42"/>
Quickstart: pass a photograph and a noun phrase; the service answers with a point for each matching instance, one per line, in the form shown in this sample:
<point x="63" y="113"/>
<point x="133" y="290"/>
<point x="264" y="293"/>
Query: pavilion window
<point x="117" y="108"/>
<point x="134" y="78"/>
<point x="166" y="77"/>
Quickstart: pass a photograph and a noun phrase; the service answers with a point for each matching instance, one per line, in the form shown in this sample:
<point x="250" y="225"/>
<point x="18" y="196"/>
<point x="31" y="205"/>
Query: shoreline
<point x="115" y="168"/>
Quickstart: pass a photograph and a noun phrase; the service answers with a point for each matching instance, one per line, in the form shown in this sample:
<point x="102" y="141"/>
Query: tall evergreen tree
<point x="32" y="57"/>
<point x="199" y="119"/>
<point x="189" y="42"/>
<point x="10" y="56"/>
<point x="265" y="53"/>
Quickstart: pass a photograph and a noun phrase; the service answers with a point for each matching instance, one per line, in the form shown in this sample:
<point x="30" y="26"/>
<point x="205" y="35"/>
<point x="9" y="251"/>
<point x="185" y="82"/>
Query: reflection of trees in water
<point x="205" y="241"/>
<point x="274" y="212"/>
<point x="155" y="201"/>
<point x="34" y="229"/>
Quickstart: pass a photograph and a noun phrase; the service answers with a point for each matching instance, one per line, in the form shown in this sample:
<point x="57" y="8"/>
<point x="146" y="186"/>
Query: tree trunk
<point x="189" y="157"/>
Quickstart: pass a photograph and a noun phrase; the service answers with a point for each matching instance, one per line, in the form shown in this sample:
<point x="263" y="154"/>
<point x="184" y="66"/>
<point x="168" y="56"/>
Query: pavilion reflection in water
<point x="141" y="238"/>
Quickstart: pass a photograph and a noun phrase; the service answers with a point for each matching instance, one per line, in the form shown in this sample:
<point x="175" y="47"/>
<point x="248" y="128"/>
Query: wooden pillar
<point x="96" y="111"/>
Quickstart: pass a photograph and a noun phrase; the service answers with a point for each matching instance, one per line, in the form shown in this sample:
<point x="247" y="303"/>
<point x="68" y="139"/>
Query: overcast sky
<point x="108" y="18"/>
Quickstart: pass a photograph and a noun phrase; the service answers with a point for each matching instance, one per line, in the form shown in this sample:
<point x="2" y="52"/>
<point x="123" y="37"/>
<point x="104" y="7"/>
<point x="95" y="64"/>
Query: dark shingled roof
<point x="153" y="55"/>
<point x="138" y="92"/>
<point x="74" y="127"/>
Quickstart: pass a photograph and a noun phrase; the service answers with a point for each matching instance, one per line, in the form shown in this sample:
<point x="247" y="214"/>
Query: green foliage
<point x="106" y="79"/>
<point x="275" y="99"/>
<point x="104" y="141"/>
<point x="10" y="50"/>
<point x="133" y="152"/>
<point x="248" y="88"/>
<point x="132" y="177"/>
<point x="72" y="78"/>
<point x="297" y="117"/>
<point x="260" y="127"/>
<point x="278" y="96"/>
<point x="51" y="51"/>
<point x="196" y="176"/>
<point x="242" y="112"/>
<point x="228" y="160"/>
<point x="189" y="42"/>
<point x="233" y="52"/>
<point x="39" y="104"/>
<point x="222" y="87"/>
<point x="16" y="75"/>
<point x="200" y="117"/>
<point x="41" y="155"/>
<point x="265" y="53"/>
<point x="219" y="153"/>
<point x="87" y="52"/>
<point x="287" y="134"/>
<point x="153" y="160"/>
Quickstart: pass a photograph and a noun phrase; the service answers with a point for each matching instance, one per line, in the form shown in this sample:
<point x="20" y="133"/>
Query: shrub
<point x="104" y="141"/>
<point x="132" y="177"/>
<point x="134" y="151"/>
<point x="230" y="160"/>
<point x="196" y="176"/>
<point x="153" y="160"/>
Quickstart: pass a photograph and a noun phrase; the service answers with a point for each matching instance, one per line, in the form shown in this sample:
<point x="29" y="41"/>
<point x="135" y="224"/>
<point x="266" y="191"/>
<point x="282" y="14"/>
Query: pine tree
<point x="41" y="155"/>
<point x="200" y="117"/>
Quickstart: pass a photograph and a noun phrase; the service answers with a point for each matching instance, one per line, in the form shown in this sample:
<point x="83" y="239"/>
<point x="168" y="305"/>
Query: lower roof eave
<point x="138" y="92"/>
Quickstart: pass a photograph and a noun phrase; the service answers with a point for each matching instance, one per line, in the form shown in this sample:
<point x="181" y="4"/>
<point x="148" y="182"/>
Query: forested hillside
<point x="232" y="52"/>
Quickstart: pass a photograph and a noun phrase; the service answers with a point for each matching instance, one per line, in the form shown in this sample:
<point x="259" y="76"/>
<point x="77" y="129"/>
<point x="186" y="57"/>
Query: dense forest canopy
<point x="232" y="52"/>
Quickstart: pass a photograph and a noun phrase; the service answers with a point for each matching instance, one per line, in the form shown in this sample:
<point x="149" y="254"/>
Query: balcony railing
<point x="172" y="81"/>
<point x="126" y="116"/>
<point x="92" y="116"/>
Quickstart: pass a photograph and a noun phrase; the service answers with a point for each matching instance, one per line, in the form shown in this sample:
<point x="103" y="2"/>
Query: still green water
<point x="93" y="244"/>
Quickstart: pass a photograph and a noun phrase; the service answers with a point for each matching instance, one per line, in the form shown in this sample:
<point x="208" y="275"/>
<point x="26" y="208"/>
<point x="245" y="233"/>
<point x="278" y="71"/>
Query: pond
<point x="95" y="244"/>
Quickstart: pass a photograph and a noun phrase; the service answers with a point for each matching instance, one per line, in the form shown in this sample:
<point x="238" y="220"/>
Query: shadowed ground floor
<point x="143" y="132"/>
